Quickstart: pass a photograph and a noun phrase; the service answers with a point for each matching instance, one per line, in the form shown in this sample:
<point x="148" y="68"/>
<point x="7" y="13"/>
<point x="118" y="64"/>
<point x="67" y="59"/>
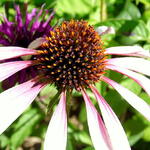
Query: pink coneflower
<point x="72" y="57"/>
<point x="21" y="32"/>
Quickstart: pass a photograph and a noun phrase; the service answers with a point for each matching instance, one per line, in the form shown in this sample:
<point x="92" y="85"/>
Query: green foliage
<point x="24" y="127"/>
<point x="130" y="11"/>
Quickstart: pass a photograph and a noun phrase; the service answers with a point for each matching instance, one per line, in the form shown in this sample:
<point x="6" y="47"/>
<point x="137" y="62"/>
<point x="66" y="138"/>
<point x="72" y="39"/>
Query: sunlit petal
<point x="97" y="129"/>
<point x="56" y="136"/>
<point x="12" y="52"/>
<point x="140" y="79"/>
<point x="130" y="97"/>
<point x="14" y="101"/>
<point x="9" y="68"/>
<point x="132" y="63"/>
<point x="128" y="51"/>
<point x="113" y="125"/>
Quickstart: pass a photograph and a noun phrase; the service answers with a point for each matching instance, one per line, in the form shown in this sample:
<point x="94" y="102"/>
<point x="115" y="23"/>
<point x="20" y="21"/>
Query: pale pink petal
<point x="97" y="129"/>
<point x="140" y="79"/>
<point x="132" y="63"/>
<point x="14" y="101"/>
<point x="12" y="52"/>
<point x="36" y="43"/>
<point x="115" y="130"/>
<point x="130" y="97"/>
<point x="105" y="30"/>
<point x="56" y="136"/>
<point x="9" y="68"/>
<point x="128" y="51"/>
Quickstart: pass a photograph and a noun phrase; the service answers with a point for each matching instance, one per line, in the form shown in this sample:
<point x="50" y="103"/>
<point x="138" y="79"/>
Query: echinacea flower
<point x="21" y="32"/>
<point x="72" y="57"/>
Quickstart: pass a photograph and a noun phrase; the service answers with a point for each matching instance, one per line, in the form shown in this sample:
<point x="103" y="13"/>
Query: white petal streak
<point x="97" y="129"/>
<point x="14" y="101"/>
<point x="130" y="97"/>
<point x="140" y="79"/>
<point x="113" y="125"/>
<point x="56" y="136"/>
<point x="132" y="63"/>
<point x="12" y="52"/>
<point x="10" y="68"/>
<point x="128" y="51"/>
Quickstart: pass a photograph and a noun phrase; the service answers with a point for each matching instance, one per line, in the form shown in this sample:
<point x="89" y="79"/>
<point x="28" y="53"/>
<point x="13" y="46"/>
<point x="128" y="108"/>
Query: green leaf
<point x="146" y="135"/>
<point x="115" y="76"/>
<point x="133" y="31"/>
<point x="117" y="24"/>
<point x="51" y="3"/>
<point x="134" y="128"/>
<point x="131" y="85"/>
<point x="82" y="114"/>
<point x="128" y="32"/>
<point x="135" y="138"/>
<point x="130" y="11"/>
<point x="50" y="90"/>
<point x="83" y="137"/>
<point x="4" y="140"/>
<point x="108" y="40"/>
<point x="88" y="148"/>
<point x="47" y="94"/>
<point x="145" y="97"/>
<point x="94" y="16"/>
<point x="69" y="143"/>
<point x="38" y="2"/>
<point x="146" y="47"/>
<point x="25" y="126"/>
<point x="101" y="87"/>
<point x="141" y="31"/>
<point x="116" y="102"/>
<point x="145" y="2"/>
<point x="146" y="15"/>
<point x="73" y="7"/>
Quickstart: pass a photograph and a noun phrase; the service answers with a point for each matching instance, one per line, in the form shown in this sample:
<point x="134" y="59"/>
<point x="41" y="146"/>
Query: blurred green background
<point x="131" y="21"/>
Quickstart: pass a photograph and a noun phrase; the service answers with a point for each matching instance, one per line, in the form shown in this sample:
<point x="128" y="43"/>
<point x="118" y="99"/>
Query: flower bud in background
<point x="21" y="31"/>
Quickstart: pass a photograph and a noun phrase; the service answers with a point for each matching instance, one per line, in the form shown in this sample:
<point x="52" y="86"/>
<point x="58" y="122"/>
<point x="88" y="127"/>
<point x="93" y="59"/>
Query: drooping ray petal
<point x="14" y="101"/>
<point x="105" y="30"/>
<point x="9" y="68"/>
<point x="97" y="129"/>
<point x="132" y="63"/>
<point x="113" y="125"/>
<point x="128" y="51"/>
<point x="56" y="136"/>
<point x="36" y="43"/>
<point x="130" y="97"/>
<point x="12" y="52"/>
<point x="140" y="79"/>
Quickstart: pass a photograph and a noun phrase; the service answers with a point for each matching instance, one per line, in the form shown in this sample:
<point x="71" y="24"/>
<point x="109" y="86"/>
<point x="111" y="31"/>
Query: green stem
<point x="103" y="10"/>
<point x="51" y="104"/>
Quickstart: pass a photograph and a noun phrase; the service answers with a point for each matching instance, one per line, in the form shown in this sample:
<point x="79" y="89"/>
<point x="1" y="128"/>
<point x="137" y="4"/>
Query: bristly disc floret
<point x="72" y="55"/>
